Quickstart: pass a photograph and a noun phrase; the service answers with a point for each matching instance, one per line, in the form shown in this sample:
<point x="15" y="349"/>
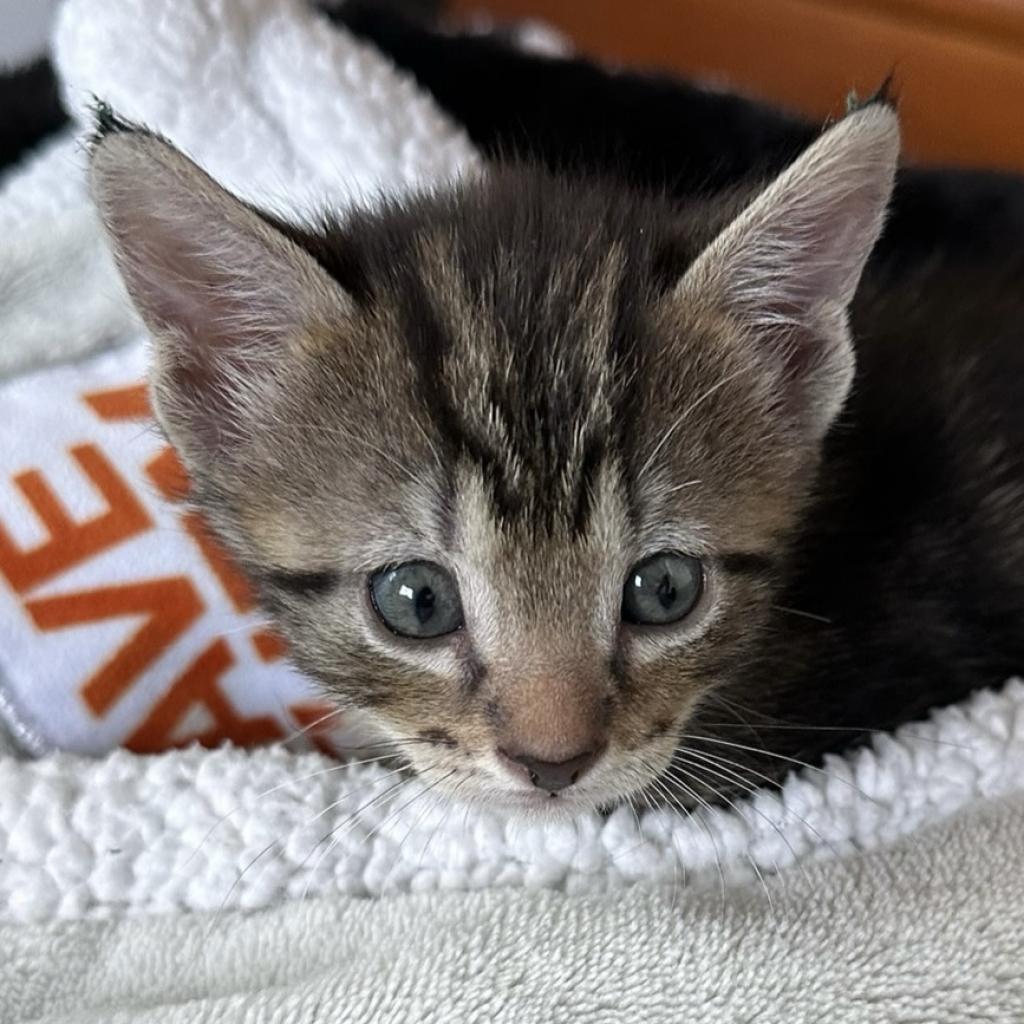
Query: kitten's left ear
<point x="788" y="266"/>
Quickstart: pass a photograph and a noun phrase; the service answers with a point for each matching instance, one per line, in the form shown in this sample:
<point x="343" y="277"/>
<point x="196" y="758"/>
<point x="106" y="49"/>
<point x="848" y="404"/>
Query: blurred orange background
<point x="959" y="64"/>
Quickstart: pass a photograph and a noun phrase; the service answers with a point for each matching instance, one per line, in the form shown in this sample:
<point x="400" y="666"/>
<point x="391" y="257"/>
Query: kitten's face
<point x="513" y="467"/>
<point x="532" y="527"/>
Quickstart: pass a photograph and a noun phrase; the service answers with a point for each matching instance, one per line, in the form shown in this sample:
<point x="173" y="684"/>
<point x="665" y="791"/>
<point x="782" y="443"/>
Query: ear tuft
<point x="886" y="95"/>
<point x="106" y="121"/>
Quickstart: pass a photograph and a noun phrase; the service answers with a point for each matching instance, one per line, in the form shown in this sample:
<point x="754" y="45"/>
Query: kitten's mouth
<point x="611" y="784"/>
<point x="551" y="806"/>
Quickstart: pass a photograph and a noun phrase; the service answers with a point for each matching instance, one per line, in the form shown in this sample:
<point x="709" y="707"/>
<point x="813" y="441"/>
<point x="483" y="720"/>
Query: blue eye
<point x="662" y="589"/>
<point x="417" y="599"/>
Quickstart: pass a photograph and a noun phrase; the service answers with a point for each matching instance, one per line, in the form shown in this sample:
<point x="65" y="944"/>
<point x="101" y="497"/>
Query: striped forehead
<point x="524" y="373"/>
<point x="523" y="595"/>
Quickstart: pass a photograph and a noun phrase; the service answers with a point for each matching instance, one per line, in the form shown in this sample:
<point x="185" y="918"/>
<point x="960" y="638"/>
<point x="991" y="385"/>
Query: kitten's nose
<point x="551" y="775"/>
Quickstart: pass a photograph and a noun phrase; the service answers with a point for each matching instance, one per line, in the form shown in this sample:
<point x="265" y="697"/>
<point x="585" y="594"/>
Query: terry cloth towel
<point x="121" y="623"/>
<point x="927" y="931"/>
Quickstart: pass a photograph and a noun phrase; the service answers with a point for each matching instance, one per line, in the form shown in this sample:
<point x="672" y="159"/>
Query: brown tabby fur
<point x="536" y="382"/>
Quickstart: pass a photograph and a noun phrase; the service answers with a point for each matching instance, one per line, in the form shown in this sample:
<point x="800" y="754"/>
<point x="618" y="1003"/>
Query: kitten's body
<point x="535" y="383"/>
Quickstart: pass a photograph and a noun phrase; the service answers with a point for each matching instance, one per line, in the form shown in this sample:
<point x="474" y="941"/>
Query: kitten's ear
<point x="228" y="299"/>
<point x="787" y="267"/>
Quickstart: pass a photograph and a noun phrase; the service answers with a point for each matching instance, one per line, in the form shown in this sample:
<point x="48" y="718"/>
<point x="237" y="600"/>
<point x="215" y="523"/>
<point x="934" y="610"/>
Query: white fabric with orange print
<point x="119" y="622"/>
<point x="147" y="636"/>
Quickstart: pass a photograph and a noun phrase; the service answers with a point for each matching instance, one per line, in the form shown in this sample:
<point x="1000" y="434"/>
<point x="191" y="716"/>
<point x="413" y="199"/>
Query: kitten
<point x="581" y="492"/>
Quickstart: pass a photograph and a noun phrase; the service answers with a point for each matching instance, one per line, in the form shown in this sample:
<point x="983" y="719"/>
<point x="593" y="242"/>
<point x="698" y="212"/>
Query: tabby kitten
<point x="582" y="493"/>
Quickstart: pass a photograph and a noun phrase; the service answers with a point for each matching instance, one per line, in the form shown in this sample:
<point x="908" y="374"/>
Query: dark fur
<point x="910" y="564"/>
<point x="30" y="110"/>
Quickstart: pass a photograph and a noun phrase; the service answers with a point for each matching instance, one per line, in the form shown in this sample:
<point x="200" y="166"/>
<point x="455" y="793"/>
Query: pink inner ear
<point x="191" y="273"/>
<point x="788" y="266"/>
<point x="197" y="314"/>
<point x="218" y="291"/>
<point x="807" y="253"/>
<point x="801" y="245"/>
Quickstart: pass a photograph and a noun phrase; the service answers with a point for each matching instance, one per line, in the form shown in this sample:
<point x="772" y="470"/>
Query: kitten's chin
<point x="539" y="806"/>
<point x="615" y="780"/>
<point x="545" y="806"/>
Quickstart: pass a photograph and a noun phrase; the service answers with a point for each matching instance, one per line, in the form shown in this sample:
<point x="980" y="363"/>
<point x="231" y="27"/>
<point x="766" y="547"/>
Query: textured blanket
<point x="233" y="830"/>
<point x="927" y="932"/>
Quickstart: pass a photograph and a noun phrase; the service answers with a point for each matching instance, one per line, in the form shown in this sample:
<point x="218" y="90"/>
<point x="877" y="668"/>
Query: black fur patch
<point x="30" y="101"/>
<point x="748" y="563"/>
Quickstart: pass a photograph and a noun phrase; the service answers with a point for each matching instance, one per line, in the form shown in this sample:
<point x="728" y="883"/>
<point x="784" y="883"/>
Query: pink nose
<point x="552" y="776"/>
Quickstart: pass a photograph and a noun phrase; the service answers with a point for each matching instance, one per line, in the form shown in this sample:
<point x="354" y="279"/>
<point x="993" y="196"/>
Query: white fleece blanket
<point x="928" y="932"/>
<point x="235" y="830"/>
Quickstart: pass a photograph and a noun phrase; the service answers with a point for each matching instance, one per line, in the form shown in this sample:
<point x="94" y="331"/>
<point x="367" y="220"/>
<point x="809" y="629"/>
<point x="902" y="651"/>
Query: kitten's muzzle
<point x="552" y="776"/>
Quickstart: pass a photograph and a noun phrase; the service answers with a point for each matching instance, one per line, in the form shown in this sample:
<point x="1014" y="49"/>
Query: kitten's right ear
<point x="229" y="300"/>
<point x="787" y="267"/>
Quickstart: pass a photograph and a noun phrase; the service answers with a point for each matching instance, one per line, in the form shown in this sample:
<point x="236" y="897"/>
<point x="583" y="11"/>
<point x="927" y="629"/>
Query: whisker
<point x="683" y="486"/>
<point x="316" y="817"/>
<point x="347" y="824"/>
<point x="400" y="770"/>
<point x="770" y="721"/>
<point x="276" y="842"/>
<point x="750" y="860"/>
<point x="801" y="614"/>
<point x="292" y="737"/>
<point x="682" y="417"/>
<point x="432" y="836"/>
<point x="245" y="627"/>
<point x="401" y="807"/>
<point x="724" y="764"/>
<point x="782" y="757"/>
<point x="642" y="781"/>
<point x="917" y="737"/>
<point x="734" y="710"/>
<point x="677" y="862"/>
<point x="415" y="826"/>
<point x="351" y="438"/>
<point x="673" y="802"/>
<point x="717" y="769"/>
<point x="284" y="785"/>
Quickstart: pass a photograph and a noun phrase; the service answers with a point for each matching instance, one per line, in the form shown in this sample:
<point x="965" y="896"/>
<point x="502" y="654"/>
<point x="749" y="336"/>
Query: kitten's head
<point x="512" y="464"/>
